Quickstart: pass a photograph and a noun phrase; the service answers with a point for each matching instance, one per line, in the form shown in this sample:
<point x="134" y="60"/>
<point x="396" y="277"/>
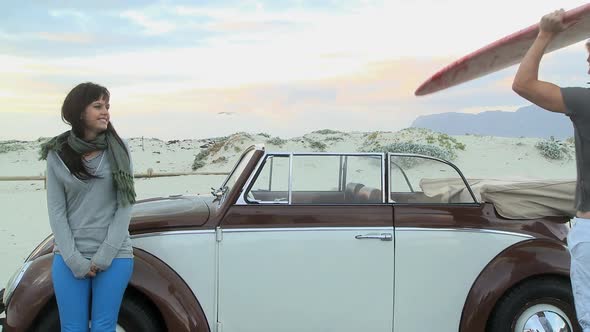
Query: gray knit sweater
<point x="87" y="223"/>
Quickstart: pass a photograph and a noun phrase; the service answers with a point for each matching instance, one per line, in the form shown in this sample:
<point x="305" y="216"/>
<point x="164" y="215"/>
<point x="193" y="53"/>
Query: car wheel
<point x="133" y="316"/>
<point x="534" y="306"/>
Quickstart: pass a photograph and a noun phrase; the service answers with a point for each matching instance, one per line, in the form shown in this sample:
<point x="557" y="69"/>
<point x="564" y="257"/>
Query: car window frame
<point x="448" y="163"/>
<point x="243" y="200"/>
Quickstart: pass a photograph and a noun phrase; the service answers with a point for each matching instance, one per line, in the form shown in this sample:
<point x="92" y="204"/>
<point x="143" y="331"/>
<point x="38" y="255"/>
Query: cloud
<point x="355" y="31"/>
<point x="377" y="97"/>
<point x="67" y="37"/>
<point x="68" y="13"/>
<point x="150" y="25"/>
<point x="245" y="27"/>
<point x="64" y="17"/>
<point x="267" y="62"/>
<point x="8" y="36"/>
<point x="388" y="28"/>
<point x="379" y="87"/>
<point x="383" y="86"/>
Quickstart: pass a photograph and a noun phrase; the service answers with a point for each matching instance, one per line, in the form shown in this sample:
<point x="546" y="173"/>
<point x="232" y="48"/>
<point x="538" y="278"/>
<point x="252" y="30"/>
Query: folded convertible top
<point x="513" y="199"/>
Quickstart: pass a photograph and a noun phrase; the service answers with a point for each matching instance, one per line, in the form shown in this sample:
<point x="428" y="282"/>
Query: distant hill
<point x="530" y="121"/>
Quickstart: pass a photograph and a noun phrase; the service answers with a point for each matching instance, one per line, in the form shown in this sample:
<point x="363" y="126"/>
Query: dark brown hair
<point x="72" y="110"/>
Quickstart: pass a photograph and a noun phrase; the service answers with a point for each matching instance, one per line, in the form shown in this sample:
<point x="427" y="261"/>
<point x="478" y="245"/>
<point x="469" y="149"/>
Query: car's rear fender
<point x="152" y="278"/>
<point x="521" y="261"/>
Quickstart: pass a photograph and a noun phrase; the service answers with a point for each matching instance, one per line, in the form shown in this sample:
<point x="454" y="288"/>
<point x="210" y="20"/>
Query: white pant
<point x="578" y="241"/>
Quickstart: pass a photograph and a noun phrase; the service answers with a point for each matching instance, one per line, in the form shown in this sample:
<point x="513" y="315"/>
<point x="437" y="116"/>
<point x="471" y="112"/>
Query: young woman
<point x="90" y="192"/>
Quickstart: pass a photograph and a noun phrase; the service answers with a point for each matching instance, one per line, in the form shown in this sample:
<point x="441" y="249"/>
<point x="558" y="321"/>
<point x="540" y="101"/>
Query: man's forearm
<point x="528" y="71"/>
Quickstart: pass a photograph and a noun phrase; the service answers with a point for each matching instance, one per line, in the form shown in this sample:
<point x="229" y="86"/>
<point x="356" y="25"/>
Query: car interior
<point x="354" y="193"/>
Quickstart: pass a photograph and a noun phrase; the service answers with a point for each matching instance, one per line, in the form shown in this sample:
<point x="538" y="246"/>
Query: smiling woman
<point x="90" y="193"/>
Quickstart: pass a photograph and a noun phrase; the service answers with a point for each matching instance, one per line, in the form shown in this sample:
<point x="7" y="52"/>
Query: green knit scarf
<point x="118" y="158"/>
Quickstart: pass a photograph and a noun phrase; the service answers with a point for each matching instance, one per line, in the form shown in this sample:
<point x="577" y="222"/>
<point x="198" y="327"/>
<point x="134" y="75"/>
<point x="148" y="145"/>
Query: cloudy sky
<point x="194" y="69"/>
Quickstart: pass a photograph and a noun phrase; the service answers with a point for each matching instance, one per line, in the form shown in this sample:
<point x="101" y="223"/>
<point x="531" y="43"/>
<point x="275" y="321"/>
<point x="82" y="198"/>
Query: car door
<point x="300" y="253"/>
<point x="441" y="243"/>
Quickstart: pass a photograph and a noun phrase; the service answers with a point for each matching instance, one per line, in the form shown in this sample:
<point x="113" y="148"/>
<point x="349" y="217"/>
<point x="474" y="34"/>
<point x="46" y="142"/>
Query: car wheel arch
<point x="522" y="262"/>
<point x="152" y="280"/>
<point x="169" y="293"/>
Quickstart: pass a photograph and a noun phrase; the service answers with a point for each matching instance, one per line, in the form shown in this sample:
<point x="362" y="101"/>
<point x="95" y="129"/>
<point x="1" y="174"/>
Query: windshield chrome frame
<point x="224" y="189"/>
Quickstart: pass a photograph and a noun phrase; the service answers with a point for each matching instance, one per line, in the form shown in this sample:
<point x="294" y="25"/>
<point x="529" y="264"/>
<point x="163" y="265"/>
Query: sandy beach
<point x="25" y="224"/>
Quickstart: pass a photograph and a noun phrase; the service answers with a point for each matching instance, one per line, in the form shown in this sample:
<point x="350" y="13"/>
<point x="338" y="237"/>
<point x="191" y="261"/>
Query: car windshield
<point x="230" y="181"/>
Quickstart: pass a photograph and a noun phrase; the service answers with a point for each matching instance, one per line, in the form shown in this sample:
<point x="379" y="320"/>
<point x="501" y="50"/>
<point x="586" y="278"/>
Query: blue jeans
<point x="578" y="242"/>
<point x="73" y="295"/>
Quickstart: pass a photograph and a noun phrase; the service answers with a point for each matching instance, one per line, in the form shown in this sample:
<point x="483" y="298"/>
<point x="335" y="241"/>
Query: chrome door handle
<point x="382" y="237"/>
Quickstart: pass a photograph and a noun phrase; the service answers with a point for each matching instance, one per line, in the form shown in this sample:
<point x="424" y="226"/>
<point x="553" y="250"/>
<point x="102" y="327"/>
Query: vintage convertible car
<point x="335" y="242"/>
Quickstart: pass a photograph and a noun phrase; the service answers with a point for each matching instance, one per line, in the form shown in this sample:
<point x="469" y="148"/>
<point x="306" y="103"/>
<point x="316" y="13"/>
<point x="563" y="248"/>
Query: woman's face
<point x="96" y="117"/>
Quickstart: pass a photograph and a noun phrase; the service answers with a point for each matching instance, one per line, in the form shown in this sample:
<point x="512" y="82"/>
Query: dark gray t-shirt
<point x="577" y="103"/>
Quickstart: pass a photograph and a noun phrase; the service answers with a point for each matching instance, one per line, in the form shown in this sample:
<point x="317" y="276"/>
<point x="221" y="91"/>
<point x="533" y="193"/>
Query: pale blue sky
<point x="281" y="67"/>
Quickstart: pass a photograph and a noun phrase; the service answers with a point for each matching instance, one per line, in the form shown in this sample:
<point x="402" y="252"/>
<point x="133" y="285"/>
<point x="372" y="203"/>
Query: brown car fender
<point x="151" y="277"/>
<point x="523" y="260"/>
<point x="170" y="294"/>
<point x="32" y="294"/>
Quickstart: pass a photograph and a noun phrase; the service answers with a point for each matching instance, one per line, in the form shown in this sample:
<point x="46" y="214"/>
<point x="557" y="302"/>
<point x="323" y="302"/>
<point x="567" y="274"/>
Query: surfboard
<point x="506" y="52"/>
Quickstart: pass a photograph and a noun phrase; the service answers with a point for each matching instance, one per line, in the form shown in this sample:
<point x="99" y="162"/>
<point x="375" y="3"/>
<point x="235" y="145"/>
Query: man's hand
<point x="552" y="23"/>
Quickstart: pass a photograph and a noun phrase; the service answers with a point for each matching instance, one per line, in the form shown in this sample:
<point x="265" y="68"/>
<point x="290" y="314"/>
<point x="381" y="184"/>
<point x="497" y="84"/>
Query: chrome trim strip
<point x="328" y="153"/>
<point x="49" y="238"/>
<point x="400" y="229"/>
<point x="303" y="229"/>
<point x="384" y="190"/>
<point x="307" y="229"/>
<point x="13" y="283"/>
<point x="467" y="230"/>
<point x="193" y="231"/>
<point x="290" y="192"/>
<point x="241" y="198"/>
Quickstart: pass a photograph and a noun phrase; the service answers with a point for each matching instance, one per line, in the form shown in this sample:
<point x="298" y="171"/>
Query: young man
<point x="575" y="103"/>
